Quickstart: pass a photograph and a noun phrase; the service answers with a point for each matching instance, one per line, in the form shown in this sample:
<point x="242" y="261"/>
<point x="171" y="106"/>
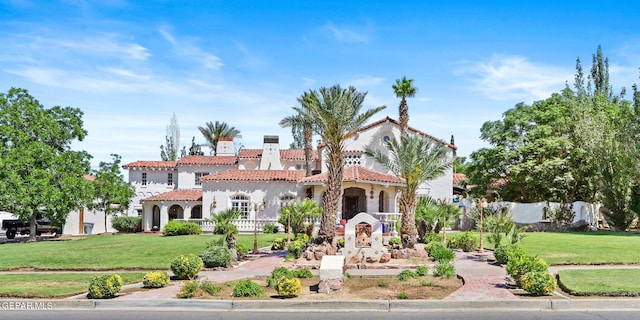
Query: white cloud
<point x="515" y="77"/>
<point x="365" y="81"/>
<point x="187" y="48"/>
<point x="349" y="34"/>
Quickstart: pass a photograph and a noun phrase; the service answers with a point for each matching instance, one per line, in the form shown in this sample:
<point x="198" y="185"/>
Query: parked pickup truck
<point x="16" y="226"/>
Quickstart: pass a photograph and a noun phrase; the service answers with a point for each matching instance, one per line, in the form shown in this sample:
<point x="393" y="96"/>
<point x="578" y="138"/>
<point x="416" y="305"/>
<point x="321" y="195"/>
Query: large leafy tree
<point x="171" y="151"/>
<point x="301" y="121"/>
<point x="212" y="132"/>
<point x="403" y="88"/>
<point x="112" y="192"/>
<point x="39" y="172"/>
<point x="336" y="114"/>
<point x="416" y="159"/>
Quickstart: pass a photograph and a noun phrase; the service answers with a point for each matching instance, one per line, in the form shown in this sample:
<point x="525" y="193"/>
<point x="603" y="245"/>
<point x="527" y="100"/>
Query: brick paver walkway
<point x="482" y="280"/>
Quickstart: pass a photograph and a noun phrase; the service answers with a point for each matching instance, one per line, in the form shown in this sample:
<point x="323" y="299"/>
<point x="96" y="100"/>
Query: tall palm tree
<point x="303" y="120"/>
<point x="212" y="132"/>
<point x="404" y="89"/>
<point x="415" y="159"/>
<point x="336" y="115"/>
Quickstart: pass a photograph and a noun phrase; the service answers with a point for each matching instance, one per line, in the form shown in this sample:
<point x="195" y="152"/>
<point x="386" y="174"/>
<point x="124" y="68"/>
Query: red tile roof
<point x="288" y="154"/>
<point x="458" y="177"/>
<point x="371" y="125"/>
<point x="208" y="160"/>
<point x="256" y="175"/>
<point x="178" y="195"/>
<point x="150" y="164"/>
<point x="357" y="174"/>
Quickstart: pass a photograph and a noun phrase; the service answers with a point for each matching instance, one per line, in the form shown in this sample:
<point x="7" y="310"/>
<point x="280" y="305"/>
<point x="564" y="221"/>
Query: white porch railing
<point x="249" y="225"/>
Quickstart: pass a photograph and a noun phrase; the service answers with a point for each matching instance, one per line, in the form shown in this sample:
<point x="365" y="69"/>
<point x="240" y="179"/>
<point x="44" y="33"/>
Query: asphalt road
<point x="241" y="315"/>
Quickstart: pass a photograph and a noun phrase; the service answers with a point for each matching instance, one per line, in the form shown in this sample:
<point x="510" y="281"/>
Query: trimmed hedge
<point x="178" y="228"/>
<point x="126" y="224"/>
<point x="105" y="286"/>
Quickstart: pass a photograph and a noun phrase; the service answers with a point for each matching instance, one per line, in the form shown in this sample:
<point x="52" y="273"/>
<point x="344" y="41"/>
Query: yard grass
<point x="584" y="247"/>
<point x="607" y="282"/>
<point x="111" y="252"/>
<point x="53" y="285"/>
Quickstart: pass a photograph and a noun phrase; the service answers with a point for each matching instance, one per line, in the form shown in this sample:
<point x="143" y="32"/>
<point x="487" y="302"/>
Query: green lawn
<point x="617" y="282"/>
<point x="584" y="247"/>
<point x="53" y="285"/>
<point x="111" y="252"/>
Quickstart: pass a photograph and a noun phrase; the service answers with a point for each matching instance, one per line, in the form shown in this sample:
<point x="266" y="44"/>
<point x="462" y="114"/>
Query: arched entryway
<point x="382" y="202"/>
<point x="176" y="212"/>
<point x="354" y="201"/>
<point x="155" y="219"/>
<point x="196" y="212"/>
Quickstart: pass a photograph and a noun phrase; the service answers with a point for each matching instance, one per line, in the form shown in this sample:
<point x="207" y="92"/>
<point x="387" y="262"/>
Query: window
<point x="241" y="203"/>
<point x="170" y="178"/>
<point x="198" y="176"/>
<point x="144" y="178"/>
<point x="286" y="199"/>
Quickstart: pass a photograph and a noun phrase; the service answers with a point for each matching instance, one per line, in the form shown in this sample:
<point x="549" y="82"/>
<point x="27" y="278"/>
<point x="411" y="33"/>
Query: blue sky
<point x="129" y="65"/>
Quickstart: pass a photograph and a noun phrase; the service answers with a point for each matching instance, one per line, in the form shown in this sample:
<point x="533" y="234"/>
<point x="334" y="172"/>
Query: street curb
<point x="326" y="305"/>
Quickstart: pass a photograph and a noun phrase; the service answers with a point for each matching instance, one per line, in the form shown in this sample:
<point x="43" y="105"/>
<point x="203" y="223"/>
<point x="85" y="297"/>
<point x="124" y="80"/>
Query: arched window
<point x="241" y="203"/>
<point x="381" y="204"/>
<point x="176" y="212"/>
<point x="196" y="212"/>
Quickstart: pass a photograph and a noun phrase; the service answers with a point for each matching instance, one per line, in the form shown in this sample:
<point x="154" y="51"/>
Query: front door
<point x="155" y="221"/>
<point x="350" y="208"/>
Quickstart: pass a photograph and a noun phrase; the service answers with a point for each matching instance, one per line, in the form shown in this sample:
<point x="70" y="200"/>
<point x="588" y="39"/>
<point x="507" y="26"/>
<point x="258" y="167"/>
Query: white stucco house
<point x="258" y="182"/>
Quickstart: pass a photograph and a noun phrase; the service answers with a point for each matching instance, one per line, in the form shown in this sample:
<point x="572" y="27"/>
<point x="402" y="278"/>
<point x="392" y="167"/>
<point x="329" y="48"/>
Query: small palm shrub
<point x="504" y="252"/>
<point x="438" y="252"/>
<point x="422" y="271"/>
<point x="538" y="282"/>
<point x="466" y="241"/>
<point x="519" y="265"/>
<point x="270" y="228"/>
<point x="289" y="287"/>
<point x="278" y="244"/>
<point x="186" y="266"/>
<point x="177" y="228"/>
<point x="444" y="269"/>
<point x="247" y="288"/>
<point x="216" y="256"/>
<point x="155" y="279"/>
<point x="126" y="223"/>
<point x="105" y="286"/>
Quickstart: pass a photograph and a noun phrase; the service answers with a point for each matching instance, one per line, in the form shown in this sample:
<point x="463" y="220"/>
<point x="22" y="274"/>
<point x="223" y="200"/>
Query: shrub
<point x="105" y="286"/>
<point x="406" y="275"/>
<point x="402" y="295"/>
<point x="241" y="249"/>
<point x="444" y="269"/>
<point x="302" y="273"/>
<point x="126" y="223"/>
<point x="188" y="289"/>
<point x="247" y="288"/>
<point x="302" y="237"/>
<point x="186" y="266"/>
<point x="177" y="228"/>
<point x="422" y="271"/>
<point x="395" y="241"/>
<point x="295" y="249"/>
<point x="438" y="252"/>
<point x="504" y="252"/>
<point x="216" y="256"/>
<point x="466" y="241"/>
<point x="270" y="228"/>
<point x="277" y="274"/>
<point x="432" y="237"/>
<point x="426" y="283"/>
<point x="383" y="284"/>
<point x="519" y="265"/>
<point x="289" y="287"/>
<point x="278" y="244"/>
<point x="538" y="282"/>
<point x="209" y="287"/>
<point x="155" y="279"/>
<point x="340" y="243"/>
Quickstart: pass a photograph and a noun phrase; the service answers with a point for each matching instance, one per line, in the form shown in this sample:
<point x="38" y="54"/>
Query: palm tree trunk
<point x="403" y="111"/>
<point x="308" y="136"/>
<point x="331" y="198"/>
<point x="408" y="230"/>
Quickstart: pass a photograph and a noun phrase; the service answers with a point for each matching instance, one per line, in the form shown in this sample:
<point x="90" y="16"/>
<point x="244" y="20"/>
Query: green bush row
<point x="180" y="228"/>
<point x="126" y="223"/>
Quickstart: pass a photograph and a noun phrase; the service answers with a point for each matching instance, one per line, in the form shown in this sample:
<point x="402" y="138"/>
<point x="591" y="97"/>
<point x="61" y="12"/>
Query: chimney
<point x="271" y="154"/>
<point x="225" y="147"/>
